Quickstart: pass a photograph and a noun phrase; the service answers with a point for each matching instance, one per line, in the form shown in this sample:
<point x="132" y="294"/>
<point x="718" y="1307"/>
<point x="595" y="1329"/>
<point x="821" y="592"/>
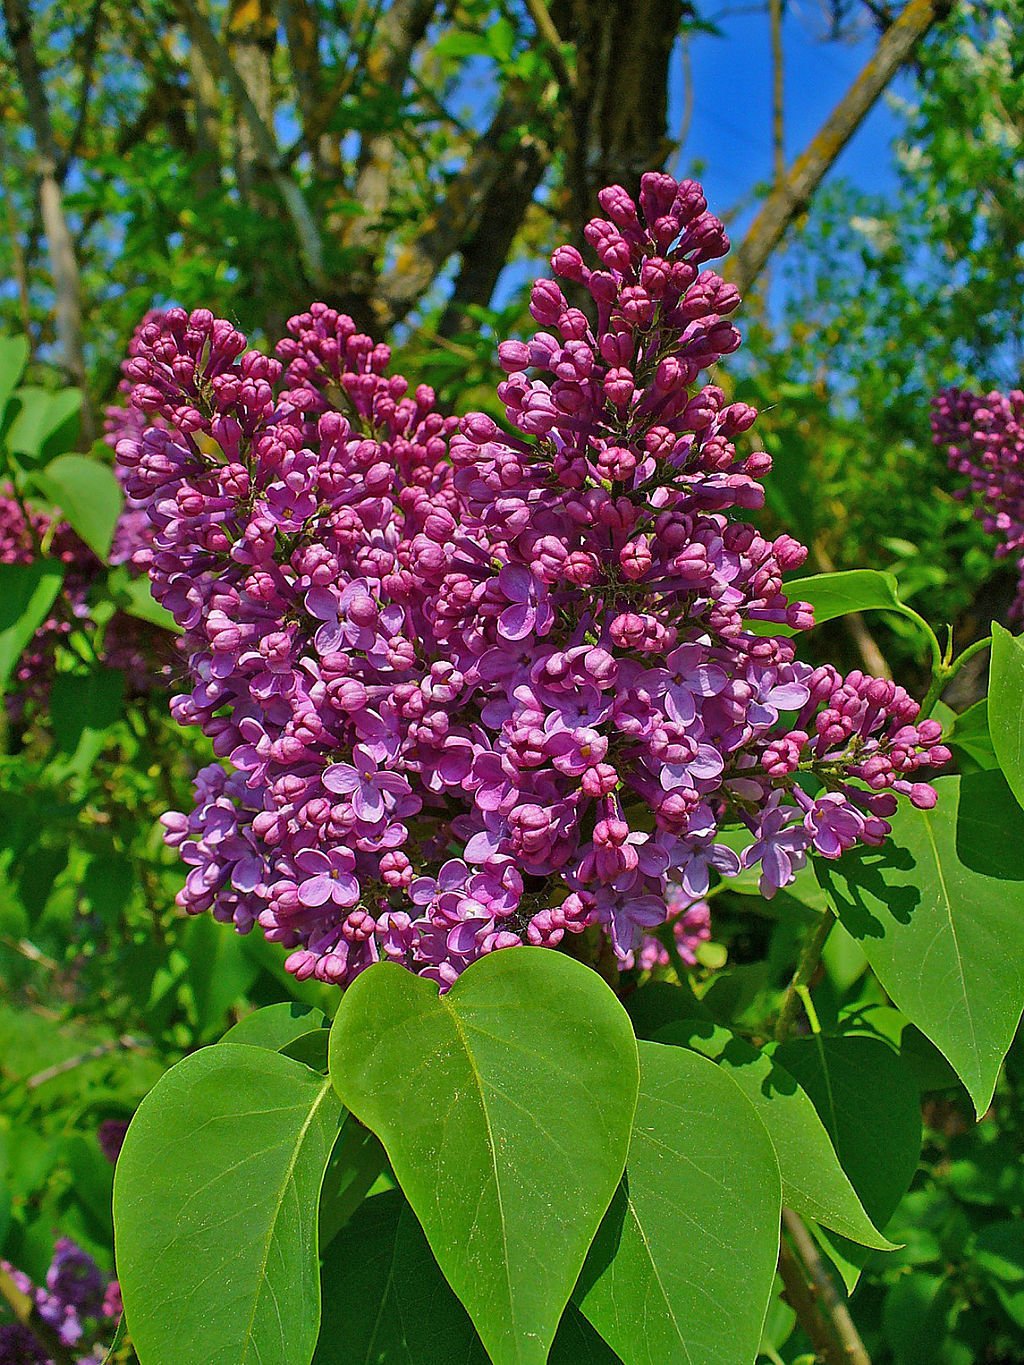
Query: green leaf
<point x="83" y="707"/>
<point x="134" y="597"/>
<point x="813" y="1182"/>
<point x="999" y="1256"/>
<point x="27" y="592"/>
<point x="505" y="1108"/>
<point x="220" y="971"/>
<point x="275" y="1026"/>
<point x="868" y="1101"/>
<point x="13" y="358"/>
<point x="46" y="424"/>
<point x="1006" y="706"/>
<point x="970" y="740"/>
<point x="356" y="1162"/>
<point x="916" y="1320"/>
<point x="89" y="496"/>
<point x="215" y="1209"/>
<point x="839" y="594"/>
<point x="939" y="912"/>
<point x="700" y="1199"/>
<point x="658" y="1003"/>
<point x="386" y="1301"/>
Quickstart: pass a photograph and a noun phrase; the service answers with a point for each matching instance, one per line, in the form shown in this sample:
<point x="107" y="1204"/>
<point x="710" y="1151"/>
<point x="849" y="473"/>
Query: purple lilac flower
<point x="983" y="436"/>
<point x="470" y="687"/>
<point x="79" y="1304"/>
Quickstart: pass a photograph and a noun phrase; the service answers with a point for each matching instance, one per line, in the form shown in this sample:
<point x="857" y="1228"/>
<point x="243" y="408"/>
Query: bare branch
<point x="485" y="253"/>
<point x="811" y="1293"/>
<point x="63" y="261"/>
<point x="306" y="230"/>
<point x="545" y="25"/>
<point x="790" y="198"/>
<point x="456" y="218"/>
<point x="87" y="65"/>
<point x="778" y="93"/>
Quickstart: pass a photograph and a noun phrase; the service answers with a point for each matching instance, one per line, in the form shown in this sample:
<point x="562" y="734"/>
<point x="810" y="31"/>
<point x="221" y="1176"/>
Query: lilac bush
<point x="983" y="437"/>
<point x="78" y="1304"/>
<point x="474" y="687"/>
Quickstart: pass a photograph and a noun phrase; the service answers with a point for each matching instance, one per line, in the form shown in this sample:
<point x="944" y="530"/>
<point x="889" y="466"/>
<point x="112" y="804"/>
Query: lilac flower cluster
<point x="78" y="1304"/>
<point x="983" y="436"/>
<point x="477" y="687"/>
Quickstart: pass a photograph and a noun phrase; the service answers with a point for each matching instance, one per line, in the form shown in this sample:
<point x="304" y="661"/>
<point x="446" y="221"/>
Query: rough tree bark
<point x="619" y="104"/>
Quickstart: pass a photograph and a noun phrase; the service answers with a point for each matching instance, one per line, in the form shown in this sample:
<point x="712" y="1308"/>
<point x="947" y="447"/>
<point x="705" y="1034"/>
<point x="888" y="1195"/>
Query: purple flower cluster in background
<point x="77" y="1304"/>
<point x="473" y="687"/>
<point x="983" y="436"/>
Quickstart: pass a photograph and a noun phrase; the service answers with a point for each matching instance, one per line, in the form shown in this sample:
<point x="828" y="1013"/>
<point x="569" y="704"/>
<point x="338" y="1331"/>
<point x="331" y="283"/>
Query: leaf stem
<point x="943" y="673"/>
<point x="809" y="1010"/>
<point x="806" y="966"/>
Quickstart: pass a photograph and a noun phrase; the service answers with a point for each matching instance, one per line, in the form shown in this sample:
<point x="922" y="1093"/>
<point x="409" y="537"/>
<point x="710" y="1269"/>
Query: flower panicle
<point x="473" y="686"/>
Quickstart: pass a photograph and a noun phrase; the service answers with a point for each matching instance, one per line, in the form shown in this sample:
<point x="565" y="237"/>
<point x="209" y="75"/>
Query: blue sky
<point x="730" y="132"/>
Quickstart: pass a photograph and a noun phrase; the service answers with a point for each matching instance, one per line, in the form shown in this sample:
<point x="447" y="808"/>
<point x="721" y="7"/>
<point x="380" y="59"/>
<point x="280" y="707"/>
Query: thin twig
<point x="93" y="1054"/>
<point x="545" y="25"/>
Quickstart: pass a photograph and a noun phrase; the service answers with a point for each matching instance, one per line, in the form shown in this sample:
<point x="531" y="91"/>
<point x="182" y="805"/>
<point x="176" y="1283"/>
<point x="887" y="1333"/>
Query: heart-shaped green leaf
<point x="215" y="1194"/>
<point x="387" y="1303"/>
<point x="868" y="1101"/>
<point x="1006" y="706"/>
<point x="88" y="495"/>
<point x="939" y="912"/>
<point x="683" y="1265"/>
<point x="505" y="1108"/>
<point x="813" y="1181"/>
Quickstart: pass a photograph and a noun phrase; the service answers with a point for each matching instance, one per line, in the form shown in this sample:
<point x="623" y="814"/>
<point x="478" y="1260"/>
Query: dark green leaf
<point x="275" y="1026"/>
<point x="505" y="1108"/>
<point x="813" y="1181"/>
<point x="387" y="1303"/>
<point x="939" y="911"/>
<point x="356" y="1162"/>
<point x="83" y="707"/>
<point x="915" y="1317"/>
<point x="701" y="1197"/>
<point x="215" y="1209"/>
<point x="868" y="1101"/>
<point x="27" y="592"/>
<point x="88" y="495"/>
<point x="1006" y="706"/>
